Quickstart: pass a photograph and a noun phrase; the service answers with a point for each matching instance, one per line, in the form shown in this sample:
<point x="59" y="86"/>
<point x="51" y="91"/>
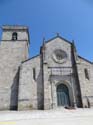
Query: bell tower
<point x="13" y="50"/>
<point x="14" y="36"/>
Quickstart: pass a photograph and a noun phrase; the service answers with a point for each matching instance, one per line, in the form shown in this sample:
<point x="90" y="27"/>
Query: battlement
<point x="14" y="27"/>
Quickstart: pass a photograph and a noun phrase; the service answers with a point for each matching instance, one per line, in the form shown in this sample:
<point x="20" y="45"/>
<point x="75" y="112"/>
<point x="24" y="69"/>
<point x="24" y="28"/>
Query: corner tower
<point x="13" y="50"/>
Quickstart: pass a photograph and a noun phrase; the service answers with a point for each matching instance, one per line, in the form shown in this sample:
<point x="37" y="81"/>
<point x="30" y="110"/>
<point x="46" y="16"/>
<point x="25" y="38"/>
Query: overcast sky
<point x="73" y="19"/>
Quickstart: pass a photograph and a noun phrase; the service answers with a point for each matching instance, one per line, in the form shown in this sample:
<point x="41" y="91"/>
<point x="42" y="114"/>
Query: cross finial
<point x="43" y="40"/>
<point x="73" y="42"/>
<point x="57" y="34"/>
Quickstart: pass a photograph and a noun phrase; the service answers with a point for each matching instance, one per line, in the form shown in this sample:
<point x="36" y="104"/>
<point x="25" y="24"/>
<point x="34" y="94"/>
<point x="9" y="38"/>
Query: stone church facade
<point x="56" y="77"/>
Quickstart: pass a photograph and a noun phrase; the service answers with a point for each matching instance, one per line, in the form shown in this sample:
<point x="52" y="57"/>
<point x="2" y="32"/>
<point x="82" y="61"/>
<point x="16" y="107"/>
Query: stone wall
<point x="31" y="83"/>
<point x="12" y="53"/>
<point x="52" y="80"/>
<point x="30" y="89"/>
<point x="86" y="85"/>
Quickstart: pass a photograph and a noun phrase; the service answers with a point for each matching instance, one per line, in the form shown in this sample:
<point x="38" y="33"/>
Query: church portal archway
<point x="63" y="95"/>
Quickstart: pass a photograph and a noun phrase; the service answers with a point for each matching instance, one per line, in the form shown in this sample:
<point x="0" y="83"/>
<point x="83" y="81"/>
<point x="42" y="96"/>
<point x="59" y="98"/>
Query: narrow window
<point x="86" y="74"/>
<point x="34" y="74"/>
<point x="14" y="36"/>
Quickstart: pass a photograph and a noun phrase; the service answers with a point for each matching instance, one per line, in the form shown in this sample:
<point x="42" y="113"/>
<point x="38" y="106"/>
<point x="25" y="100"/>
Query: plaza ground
<point x="48" y="117"/>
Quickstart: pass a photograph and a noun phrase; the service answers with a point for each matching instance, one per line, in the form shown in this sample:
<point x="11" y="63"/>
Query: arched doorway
<point x="63" y="95"/>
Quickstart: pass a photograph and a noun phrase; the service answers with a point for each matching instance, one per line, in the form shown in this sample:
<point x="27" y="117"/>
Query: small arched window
<point x="14" y="36"/>
<point x="86" y="74"/>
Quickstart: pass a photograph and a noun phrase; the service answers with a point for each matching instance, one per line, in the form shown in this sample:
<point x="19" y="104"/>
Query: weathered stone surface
<point x="30" y="89"/>
<point x="27" y="84"/>
<point x="12" y="53"/>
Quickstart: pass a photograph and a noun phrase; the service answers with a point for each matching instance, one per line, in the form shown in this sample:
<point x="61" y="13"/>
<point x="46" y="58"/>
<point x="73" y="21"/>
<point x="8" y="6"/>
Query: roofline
<point x="85" y="59"/>
<point x="60" y="38"/>
<point x="39" y="55"/>
<point x="47" y="42"/>
<point x="14" y="27"/>
<point x="30" y="58"/>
